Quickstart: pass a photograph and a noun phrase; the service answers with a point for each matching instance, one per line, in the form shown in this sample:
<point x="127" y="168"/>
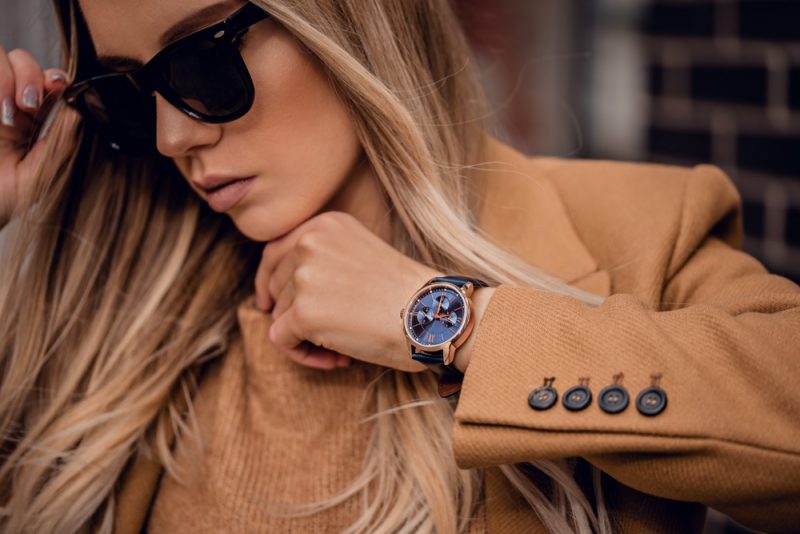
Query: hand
<point x="335" y="290"/>
<point x="23" y="88"/>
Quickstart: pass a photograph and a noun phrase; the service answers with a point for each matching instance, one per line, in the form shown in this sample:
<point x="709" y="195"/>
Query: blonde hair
<point x="119" y="285"/>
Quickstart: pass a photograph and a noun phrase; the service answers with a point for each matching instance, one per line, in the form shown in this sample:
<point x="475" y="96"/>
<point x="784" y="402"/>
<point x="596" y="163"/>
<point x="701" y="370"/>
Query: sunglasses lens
<point x="204" y="77"/>
<point x="210" y="78"/>
<point x="121" y="113"/>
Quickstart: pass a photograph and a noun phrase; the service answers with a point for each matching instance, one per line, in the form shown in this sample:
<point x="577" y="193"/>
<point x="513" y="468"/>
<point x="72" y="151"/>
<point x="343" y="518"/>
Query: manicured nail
<point x="30" y="97"/>
<point x="58" y="77"/>
<point x="8" y="112"/>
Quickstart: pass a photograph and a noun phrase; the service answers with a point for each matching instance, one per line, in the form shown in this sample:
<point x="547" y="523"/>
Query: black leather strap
<point x="428" y="357"/>
<point x="460" y="280"/>
<point x="435" y="359"/>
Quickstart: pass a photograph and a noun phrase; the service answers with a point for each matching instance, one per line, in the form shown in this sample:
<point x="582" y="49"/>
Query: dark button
<point x="577" y="398"/>
<point x="651" y="401"/>
<point x="613" y="398"/>
<point x="542" y="397"/>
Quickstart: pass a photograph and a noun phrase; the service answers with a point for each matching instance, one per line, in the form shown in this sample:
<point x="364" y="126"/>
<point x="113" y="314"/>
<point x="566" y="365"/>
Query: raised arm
<point x="722" y="333"/>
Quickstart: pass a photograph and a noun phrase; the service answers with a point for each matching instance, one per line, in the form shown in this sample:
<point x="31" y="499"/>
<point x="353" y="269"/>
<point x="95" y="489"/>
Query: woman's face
<point x="297" y="141"/>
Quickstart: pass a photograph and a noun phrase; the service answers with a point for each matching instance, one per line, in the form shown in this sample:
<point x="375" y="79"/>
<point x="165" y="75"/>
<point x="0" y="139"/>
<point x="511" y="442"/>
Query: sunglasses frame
<point x="146" y="79"/>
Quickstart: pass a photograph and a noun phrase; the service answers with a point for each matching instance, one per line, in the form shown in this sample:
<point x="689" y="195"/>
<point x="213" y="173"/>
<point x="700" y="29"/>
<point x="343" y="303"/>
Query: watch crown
<point x="401" y="313"/>
<point x="466" y="289"/>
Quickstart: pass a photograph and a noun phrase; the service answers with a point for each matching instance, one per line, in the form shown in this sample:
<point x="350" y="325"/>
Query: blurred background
<point x="672" y="81"/>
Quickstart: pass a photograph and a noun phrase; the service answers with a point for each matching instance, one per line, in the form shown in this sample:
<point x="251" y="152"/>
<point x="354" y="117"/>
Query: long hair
<point x="119" y="285"/>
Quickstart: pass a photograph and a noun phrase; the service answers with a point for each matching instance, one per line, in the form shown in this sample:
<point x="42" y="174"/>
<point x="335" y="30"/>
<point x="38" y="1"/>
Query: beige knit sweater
<point x="273" y="430"/>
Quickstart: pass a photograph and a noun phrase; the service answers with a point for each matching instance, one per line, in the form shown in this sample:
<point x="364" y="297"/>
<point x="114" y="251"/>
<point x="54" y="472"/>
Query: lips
<point x="224" y="192"/>
<point x="215" y="181"/>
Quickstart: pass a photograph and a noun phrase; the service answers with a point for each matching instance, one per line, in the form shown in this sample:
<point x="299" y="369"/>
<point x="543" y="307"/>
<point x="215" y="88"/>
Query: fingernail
<point x="58" y="77"/>
<point x="8" y="112"/>
<point x="30" y="97"/>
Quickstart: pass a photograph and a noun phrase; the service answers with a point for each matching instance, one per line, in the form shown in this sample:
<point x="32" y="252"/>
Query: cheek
<point x="299" y="138"/>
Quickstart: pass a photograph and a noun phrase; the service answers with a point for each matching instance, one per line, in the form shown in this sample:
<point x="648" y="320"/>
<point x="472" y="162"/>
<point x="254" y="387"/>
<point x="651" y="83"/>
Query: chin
<point x="253" y="229"/>
<point x="261" y="224"/>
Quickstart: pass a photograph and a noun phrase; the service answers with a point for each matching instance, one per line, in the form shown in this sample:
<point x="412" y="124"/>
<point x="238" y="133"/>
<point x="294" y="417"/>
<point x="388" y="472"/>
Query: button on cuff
<point x="542" y="397"/>
<point x="613" y="399"/>
<point x="577" y="398"/>
<point x="651" y="401"/>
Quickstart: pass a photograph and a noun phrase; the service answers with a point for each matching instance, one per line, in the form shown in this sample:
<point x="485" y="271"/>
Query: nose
<point x="177" y="133"/>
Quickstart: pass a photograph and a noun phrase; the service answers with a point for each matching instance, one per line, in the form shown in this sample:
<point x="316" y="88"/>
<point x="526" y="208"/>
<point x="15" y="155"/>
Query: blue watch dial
<point x="435" y="316"/>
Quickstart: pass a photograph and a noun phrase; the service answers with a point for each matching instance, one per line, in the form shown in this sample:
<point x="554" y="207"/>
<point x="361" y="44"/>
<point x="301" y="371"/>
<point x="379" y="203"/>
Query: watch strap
<point x="459" y="280"/>
<point x="428" y="357"/>
<point x="450" y="378"/>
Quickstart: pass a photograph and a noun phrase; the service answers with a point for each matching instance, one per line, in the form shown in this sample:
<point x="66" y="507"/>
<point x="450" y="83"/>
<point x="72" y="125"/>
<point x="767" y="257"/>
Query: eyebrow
<point x="182" y="28"/>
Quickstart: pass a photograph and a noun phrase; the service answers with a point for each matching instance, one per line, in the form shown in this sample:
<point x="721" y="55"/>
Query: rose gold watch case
<point x="448" y="347"/>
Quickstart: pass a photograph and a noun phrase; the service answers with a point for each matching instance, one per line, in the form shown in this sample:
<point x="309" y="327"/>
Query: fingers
<point x="23" y="88"/>
<point x="55" y="80"/>
<point x="7" y="105"/>
<point x="285" y="337"/>
<point x="282" y="333"/>
<point x="299" y="239"/>
<point x="284" y="300"/>
<point x="28" y="80"/>
<point x="271" y="255"/>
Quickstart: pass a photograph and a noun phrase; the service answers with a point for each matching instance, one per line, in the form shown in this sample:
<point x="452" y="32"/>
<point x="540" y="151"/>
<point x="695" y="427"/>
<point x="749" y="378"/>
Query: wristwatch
<point x="437" y="320"/>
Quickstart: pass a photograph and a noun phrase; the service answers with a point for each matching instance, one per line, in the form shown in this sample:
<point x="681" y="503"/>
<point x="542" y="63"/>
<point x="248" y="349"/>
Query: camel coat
<point x="662" y="243"/>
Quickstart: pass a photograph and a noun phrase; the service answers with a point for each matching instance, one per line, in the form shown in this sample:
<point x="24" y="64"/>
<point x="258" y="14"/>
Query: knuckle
<point x="26" y="68"/>
<point x="22" y="56"/>
<point x="301" y="276"/>
<point x="306" y="242"/>
<point x="22" y="61"/>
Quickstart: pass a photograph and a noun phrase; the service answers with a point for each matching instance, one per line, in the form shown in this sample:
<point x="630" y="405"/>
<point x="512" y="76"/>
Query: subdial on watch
<point x="451" y="319"/>
<point x="424" y="316"/>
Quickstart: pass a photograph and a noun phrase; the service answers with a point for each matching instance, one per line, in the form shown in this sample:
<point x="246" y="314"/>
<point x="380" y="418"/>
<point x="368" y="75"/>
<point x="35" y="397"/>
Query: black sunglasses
<point x="202" y="74"/>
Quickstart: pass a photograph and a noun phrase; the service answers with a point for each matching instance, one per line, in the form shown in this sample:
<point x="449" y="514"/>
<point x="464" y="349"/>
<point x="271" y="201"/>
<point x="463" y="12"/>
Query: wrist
<point x="480" y="301"/>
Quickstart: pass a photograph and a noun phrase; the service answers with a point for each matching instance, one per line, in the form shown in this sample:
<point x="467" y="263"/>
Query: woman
<point x="173" y="367"/>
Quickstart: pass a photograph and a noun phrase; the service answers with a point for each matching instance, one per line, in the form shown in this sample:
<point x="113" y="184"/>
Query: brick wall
<point x="724" y="86"/>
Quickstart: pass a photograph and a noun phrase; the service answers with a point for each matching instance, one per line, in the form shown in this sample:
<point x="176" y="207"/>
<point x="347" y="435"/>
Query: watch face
<point x="436" y="315"/>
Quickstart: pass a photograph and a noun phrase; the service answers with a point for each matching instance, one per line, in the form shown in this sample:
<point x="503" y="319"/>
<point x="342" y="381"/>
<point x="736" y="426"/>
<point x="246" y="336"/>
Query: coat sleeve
<point x="724" y="334"/>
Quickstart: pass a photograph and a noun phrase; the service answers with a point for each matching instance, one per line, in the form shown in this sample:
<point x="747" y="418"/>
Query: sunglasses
<point x="202" y="74"/>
